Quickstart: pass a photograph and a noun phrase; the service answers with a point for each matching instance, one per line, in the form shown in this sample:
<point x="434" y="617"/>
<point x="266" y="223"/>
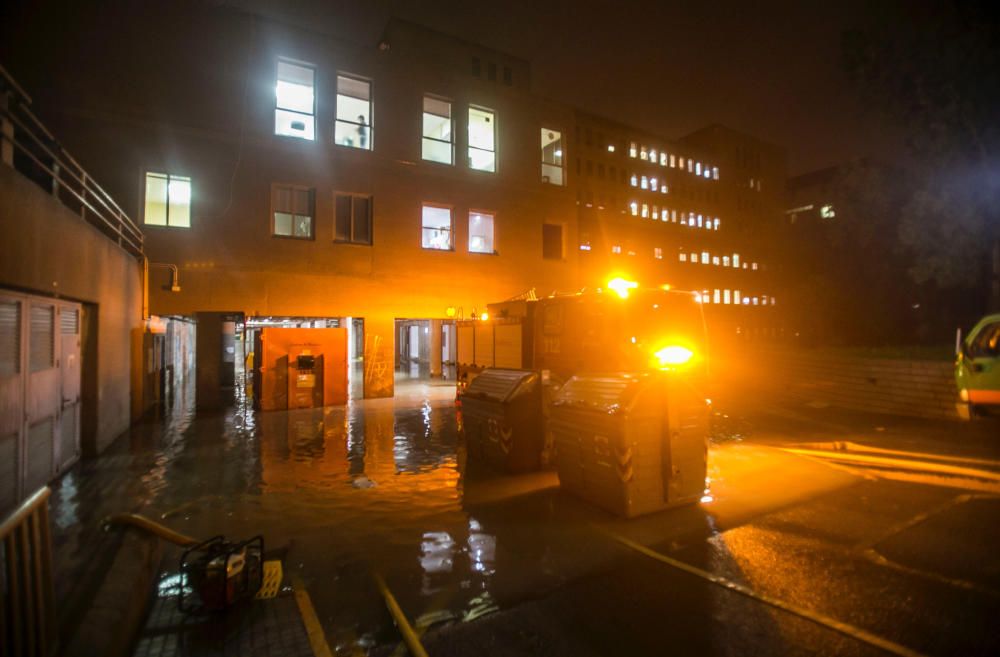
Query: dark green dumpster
<point x="631" y="443"/>
<point x="502" y="416"/>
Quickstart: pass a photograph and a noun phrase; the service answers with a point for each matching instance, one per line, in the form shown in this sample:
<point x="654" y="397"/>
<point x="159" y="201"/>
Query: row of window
<point x="734" y="297"/>
<point x="295" y="116"/>
<point x="671" y="160"/>
<point x="690" y="219"/>
<point x="705" y="258"/>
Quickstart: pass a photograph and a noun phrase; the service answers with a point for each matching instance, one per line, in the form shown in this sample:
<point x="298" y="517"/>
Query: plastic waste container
<point x="631" y="443"/>
<point x="502" y="415"/>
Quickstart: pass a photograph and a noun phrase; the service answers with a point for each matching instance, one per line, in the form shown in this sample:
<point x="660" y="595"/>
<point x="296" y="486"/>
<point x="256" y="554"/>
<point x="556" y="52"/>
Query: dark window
<point x="508" y="77"/>
<point x="590" y="168"/>
<point x="600" y="170"/>
<point x="476" y="67"/>
<point x="492" y="72"/>
<point x="987" y="342"/>
<point x="587" y="136"/>
<point x="292" y="211"/>
<point x="578" y="166"/>
<point x="353" y="223"/>
<point x="613" y="173"/>
<point x="552" y="241"/>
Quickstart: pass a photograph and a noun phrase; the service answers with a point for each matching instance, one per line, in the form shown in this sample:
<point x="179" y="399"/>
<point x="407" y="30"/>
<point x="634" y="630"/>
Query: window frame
<point x="562" y="241"/>
<point x="451" y="119"/>
<point x="563" y="157"/>
<point x="371" y="111"/>
<point x="468" y="142"/>
<point x="168" y="176"/>
<point x="493" y="216"/>
<point x="277" y="108"/>
<point x="451" y="213"/>
<point x="371" y="218"/>
<point x="312" y="203"/>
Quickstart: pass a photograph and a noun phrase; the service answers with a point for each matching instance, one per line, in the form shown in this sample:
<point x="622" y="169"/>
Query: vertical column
<point x="208" y="361"/>
<point x="380" y="342"/>
<point x="435" y="348"/>
<point x="7" y="132"/>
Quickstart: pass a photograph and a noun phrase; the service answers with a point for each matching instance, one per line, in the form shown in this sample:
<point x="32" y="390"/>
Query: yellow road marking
<point x="317" y="639"/>
<point x="820" y="619"/>
<point x="403" y="625"/>
<point x="906" y="464"/>
<point x="849" y="446"/>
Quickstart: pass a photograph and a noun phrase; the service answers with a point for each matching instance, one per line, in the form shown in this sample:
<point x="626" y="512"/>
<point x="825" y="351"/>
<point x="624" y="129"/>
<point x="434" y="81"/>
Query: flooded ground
<point x="383" y="486"/>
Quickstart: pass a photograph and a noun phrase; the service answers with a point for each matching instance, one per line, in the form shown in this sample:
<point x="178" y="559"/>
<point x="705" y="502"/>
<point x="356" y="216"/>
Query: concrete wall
<point x="881" y="385"/>
<point x="46" y="249"/>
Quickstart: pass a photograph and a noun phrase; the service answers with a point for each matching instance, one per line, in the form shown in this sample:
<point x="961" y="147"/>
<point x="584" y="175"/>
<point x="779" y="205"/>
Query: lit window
<point x="292" y="211"/>
<point x="715" y="260"/>
<point x="673" y="216"/>
<point x="736" y="296"/>
<point x="295" y="108"/>
<point x="631" y="252"/>
<point x="168" y="200"/>
<point x="643" y="155"/>
<point x="644" y="183"/>
<point x="827" y="212"/>
<point x="552" y="241"/>
<point x="656" y="212"/>
<point x="715" y="173"/>
<point x="482" y="139"/>
<point x="652" y="155"/>
<point x="744" y="265"/>
<point x="353" y="220"/>
<point x="704" y="257"/>
<point x="438" y="143"/>
<point x="481" y="233"/>
<point x="697" y="168"/>
<point x="690" y="165"/>
<point x="755" y="301"/>
<point x="633" y="150"/>
<point x="716" y="296"/>
<point x="354" y="113"/>
<point x="663" y="159"/>
<point x="699" y="221"/>
<point x="616" y="248"/>
<point x="772" y="301"/>
<point x="663" y="188"/>
<point x="736" y="260"/>
<point x="715" y="224"/>
<point x="658" y="253"/>
<point x="754" y="266"/>
<point x="611" y="148"/>
<point x="437" y="228"/>
<point x="704" y="296"/>
<point x="585" y="246"/>
<point x="707" y="173"/>
<point x="726" y="297"/>
<point x="673" y="161"/>
<point x="645" y="210"/>
<point x="680" y="162"/>
<point x="682" y="257"/>
<point x="763" y="301"/>
<point x="633" y="208"/>
<point x="634" y="180"/>
<point x="725" y="261"/>
<point x="552" y="157"/>
<point x="653" y="185"/>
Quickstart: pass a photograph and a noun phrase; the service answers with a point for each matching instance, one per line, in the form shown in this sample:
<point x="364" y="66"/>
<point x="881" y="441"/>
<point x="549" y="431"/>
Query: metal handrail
<point x="27" y="600"/>
<point x="28" y="136"/>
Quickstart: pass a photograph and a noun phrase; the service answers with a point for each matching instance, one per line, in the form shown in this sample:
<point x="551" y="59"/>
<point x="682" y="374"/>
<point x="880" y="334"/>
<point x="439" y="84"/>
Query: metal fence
<point x="32" y="150"/>
<point x="27" y="608"/>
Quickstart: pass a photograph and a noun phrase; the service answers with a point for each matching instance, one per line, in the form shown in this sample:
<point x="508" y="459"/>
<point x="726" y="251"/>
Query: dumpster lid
<point x="499" y="385"/>
<point x="607" y="393"/>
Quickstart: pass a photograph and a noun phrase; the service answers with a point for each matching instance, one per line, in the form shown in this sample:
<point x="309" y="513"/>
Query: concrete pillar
<point x="435" y="348"/>
<point x="208" y="361"/>
<point x="7" y="128"/>
<point x="380" y="336"/>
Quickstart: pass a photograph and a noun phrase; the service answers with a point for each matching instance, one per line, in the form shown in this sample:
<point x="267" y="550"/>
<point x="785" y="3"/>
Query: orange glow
<point x="450" y="311"/>
<point x="622" y="286"/>
<point x="673" y="356"/>
<point x="484" y="316"/>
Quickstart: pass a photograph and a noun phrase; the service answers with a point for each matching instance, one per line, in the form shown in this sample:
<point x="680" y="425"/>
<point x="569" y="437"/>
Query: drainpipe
<point x="175" y="283"/>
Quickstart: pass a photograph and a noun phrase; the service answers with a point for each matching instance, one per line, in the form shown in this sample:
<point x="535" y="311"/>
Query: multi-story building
<point x="282" y="175"/>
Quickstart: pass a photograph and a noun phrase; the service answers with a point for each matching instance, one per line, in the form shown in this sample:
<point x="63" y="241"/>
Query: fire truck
<point x="608" y="385"/>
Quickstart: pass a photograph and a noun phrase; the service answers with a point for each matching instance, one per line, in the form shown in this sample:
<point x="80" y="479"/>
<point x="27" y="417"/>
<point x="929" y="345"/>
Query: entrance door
<point x="39" y="392"/>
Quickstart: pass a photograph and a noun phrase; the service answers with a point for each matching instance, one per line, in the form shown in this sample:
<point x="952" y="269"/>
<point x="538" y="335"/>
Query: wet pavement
<point x="511" y="565"/>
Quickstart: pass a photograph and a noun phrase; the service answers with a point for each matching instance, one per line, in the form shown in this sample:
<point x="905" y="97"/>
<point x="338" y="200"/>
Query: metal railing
<point x="32" y="150"/>
<point x="27" y="607"/>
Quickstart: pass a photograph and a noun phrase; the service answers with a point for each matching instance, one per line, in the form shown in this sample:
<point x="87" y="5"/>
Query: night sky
<point x="772" y="69"/>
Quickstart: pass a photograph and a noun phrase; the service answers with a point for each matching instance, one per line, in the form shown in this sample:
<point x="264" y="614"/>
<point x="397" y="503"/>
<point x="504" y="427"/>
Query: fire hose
<point x="144" y="523"/>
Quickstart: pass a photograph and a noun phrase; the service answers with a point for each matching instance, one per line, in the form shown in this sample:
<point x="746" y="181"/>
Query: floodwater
<point x="376" y="486"/>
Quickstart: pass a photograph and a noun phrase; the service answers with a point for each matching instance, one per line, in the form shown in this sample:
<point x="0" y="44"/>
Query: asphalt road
<point x="832" y="533"/>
